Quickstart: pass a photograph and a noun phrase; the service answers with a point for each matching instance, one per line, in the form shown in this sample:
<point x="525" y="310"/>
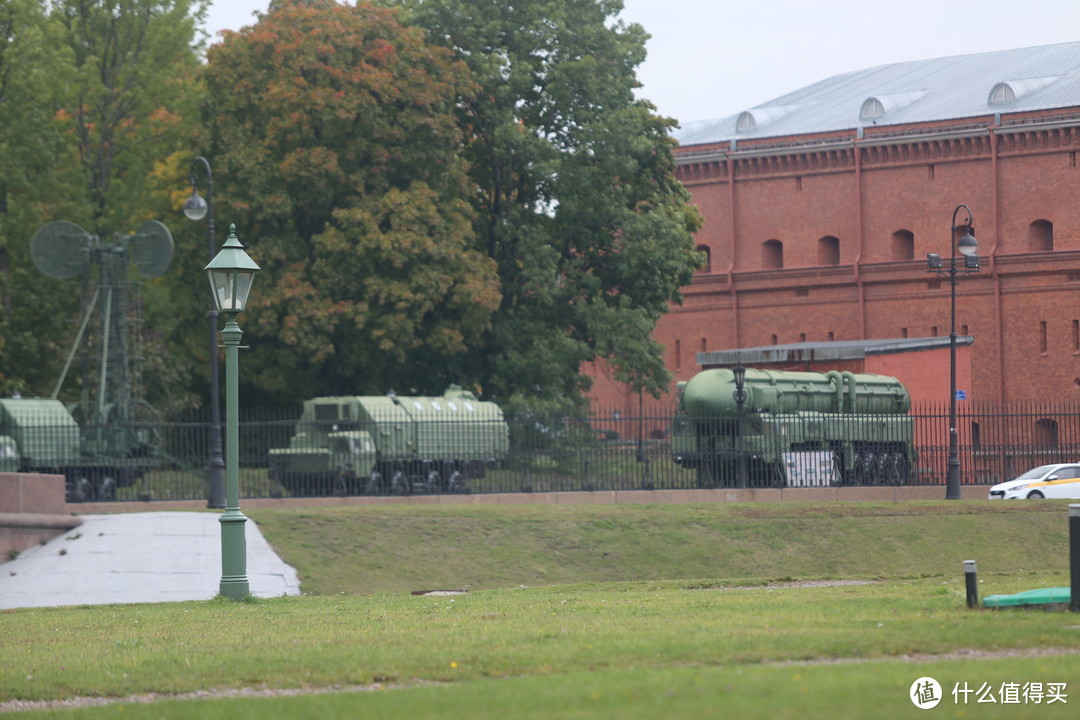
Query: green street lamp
<point x="231" y="273"/>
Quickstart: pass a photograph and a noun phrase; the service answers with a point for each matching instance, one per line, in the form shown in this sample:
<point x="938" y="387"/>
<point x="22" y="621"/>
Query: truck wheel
<point x="374" y="483"/>
<point x="341" y="485"/>
<point x="898" y="469"/>
<point x="79" y="489"/>
<point x="456" y="483"/>
<point x="864" y="468"/>
<point x="106" y="489"/>
<point x="399" y="483"/>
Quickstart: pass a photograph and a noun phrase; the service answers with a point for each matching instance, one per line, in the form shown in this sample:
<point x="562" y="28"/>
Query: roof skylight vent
<point x="1009" y="91"/>
<point x="757" y="118"/>
<point x="881" y="105"/>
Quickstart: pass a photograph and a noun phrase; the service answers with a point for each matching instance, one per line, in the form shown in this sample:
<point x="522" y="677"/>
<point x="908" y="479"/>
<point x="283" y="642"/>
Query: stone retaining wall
<point x="32" y="511"/>
<point x="847" y="494"/>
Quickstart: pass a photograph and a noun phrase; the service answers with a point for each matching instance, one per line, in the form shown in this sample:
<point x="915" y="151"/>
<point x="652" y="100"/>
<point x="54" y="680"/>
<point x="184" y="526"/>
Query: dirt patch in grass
<point x="255" y="692"/>
<point x="792" y="584"/>
<point x="905" y="509"/>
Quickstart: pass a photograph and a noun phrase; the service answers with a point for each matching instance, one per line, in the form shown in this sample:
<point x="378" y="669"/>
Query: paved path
<point x="137" y="558"/>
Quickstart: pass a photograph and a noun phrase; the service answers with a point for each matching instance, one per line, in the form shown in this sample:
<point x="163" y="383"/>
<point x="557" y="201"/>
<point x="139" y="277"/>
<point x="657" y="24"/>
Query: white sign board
<point x="810" y="469"/>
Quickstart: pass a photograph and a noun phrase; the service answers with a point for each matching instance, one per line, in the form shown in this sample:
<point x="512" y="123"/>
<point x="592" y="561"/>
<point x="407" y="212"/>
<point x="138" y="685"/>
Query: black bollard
<point x="1074" y="556"/>
<point x="972" y="583"/>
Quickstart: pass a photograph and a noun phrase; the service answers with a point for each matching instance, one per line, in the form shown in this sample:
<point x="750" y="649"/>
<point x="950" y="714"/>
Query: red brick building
<point x="821" y="206"/>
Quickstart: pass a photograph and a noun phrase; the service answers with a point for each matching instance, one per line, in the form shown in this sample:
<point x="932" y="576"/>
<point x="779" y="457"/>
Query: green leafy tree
<point x="34" y="68"/>
<point x="575" y="194"/>
<point x="97" y="94"/>
<point x="131" y="104"/>
<point x="135" y="62"/>
<point x="338" y="157"/>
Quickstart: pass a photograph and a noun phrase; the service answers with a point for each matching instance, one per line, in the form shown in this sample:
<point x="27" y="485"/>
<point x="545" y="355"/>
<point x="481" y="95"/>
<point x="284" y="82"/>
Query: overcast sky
<point x="713" y="58"/>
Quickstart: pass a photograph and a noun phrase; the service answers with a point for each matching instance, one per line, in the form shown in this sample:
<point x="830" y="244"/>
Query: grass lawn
<point x="775" y="611"/>
<point x="401" y="548"/>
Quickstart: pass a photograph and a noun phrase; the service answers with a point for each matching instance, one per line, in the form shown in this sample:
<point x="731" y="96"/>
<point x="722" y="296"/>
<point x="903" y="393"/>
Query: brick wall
<point x="1021" y="308"/>
<point x="32" y="493"/>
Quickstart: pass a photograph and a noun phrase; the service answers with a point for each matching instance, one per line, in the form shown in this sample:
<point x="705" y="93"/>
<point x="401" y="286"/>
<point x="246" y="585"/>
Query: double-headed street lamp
<point x="967" y="247"/>
<point x="231" y="273"/>
<point x="740" y="397"/>
<point x="196" y="209"/>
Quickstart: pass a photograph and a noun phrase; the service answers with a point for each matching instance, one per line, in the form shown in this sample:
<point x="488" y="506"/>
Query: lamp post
<point x="195" y="208"/>
<point x="231" y="273"/>
<point x="967" y="247"/>
<point x="740" y="396"/>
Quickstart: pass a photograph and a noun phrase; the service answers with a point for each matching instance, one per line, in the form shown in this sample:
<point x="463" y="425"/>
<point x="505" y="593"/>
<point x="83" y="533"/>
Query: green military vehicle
<point x="40" y="435"/>
<point x="379" y="445"/>
<point x="794" y="429"/>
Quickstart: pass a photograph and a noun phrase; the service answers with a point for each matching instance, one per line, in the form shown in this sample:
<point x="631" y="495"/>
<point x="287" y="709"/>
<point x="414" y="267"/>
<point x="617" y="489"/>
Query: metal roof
<point x="818" y="351"/>
<point x="949" y="88"/>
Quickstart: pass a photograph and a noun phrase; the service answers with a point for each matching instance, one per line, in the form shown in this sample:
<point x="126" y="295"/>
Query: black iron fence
<point x="280" y="457"/>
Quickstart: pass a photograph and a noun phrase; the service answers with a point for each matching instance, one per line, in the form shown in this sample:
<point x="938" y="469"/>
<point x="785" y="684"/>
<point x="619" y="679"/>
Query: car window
<point x="1035" y="473"/>
<point x="1072" y="471"/>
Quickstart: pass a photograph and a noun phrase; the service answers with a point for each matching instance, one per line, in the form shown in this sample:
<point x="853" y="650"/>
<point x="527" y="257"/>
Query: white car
<point x="1045" y="481"/>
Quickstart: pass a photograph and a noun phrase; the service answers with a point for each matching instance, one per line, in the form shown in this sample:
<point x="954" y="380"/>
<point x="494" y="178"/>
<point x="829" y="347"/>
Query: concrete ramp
<point x="138" y="558"/>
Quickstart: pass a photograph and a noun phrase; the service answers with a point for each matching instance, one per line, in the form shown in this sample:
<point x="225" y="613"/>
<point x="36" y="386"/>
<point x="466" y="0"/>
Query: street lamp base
<point x="235" y="588"/>
<point x="234" y="581"/>
<point x="952" y="482"/>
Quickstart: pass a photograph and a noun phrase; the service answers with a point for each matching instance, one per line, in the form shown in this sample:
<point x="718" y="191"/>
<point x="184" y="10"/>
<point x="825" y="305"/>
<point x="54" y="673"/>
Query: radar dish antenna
<point x="59" y="249"/>
<point x="151" y="248"/>
<point x="63" y="250"/>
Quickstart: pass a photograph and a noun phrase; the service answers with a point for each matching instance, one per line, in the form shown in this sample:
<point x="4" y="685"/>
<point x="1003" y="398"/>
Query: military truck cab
<point x="334" y="463"/>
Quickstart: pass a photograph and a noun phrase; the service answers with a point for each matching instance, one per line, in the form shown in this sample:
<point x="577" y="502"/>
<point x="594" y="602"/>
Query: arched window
<point x="881" y="105"/>
<point x="903" y="245"/>
<point x="1010" y="91"/>
<point x="1046" y="434"/>
<point x="707" y="266"/>
<point x="772" y="254"/>
<point x="1041" y="236"/>
<point x="828" y="250"/>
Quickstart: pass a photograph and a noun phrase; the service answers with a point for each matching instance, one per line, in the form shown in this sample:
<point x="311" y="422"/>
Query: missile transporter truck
<point x="793" y="429"/>
<point x="40" y="435"/>
<point x="380" y="445"/>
